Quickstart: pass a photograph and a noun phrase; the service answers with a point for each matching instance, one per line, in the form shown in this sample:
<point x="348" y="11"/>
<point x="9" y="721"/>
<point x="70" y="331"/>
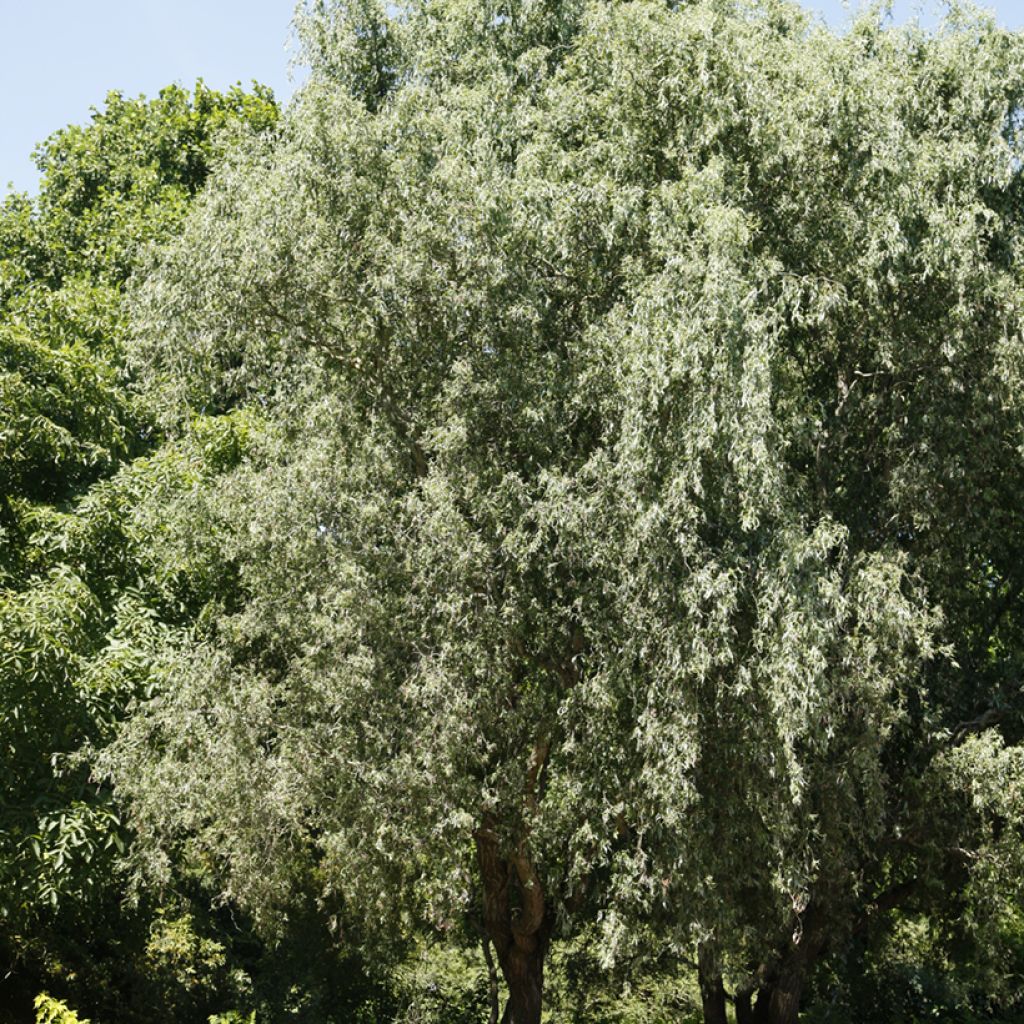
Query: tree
<point x="634" y="539"/>
<point x="82" y="603"/>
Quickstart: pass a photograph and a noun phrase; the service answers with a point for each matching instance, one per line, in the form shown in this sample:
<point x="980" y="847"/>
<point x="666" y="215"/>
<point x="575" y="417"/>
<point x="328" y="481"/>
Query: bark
<point x="516" y="922"/>
<point x="523" y="969"/>
<point x="762" y="1006"/>
<point x="788" y="985"/>
<point x="712" y="990"/>
<point x="492" y="982"/>
<point x="744" y="1004"/>
<point x="785" y="1003"/>
<point x="755" y="984"/>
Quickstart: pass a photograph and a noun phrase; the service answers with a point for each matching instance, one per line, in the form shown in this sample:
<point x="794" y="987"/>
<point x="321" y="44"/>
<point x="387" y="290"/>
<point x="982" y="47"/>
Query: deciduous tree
<point x="637" y="536"/>
<point x="82" y="602"/>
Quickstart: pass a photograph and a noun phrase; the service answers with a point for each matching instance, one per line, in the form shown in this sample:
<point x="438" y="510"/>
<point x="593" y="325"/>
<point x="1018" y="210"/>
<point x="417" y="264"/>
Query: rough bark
<point x="756" y="984"/>
<point x="516" y="923"/>
<point x="712" y="990"/>
<point x="743" y="1001"/>
<point x="492" y="982"/>
<point x="785" y="1002"/>
<point x="788" y="985"/>
<point x="523" y="969"/>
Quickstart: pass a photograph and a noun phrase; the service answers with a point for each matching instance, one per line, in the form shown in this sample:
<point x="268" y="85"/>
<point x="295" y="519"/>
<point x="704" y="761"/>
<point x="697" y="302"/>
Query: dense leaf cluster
<point x="544" y="520"/>
<point x="638" y="541"/>
<point x="84" y="597"/>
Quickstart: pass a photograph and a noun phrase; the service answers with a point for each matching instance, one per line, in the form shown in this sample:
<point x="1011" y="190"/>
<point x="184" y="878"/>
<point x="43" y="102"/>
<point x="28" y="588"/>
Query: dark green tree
<point x="82" y="600"/>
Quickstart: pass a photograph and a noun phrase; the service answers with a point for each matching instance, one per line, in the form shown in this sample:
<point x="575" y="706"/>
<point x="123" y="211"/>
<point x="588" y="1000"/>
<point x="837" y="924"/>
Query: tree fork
<point x="783" y="1003"/>
<point x="743" y="1001"/>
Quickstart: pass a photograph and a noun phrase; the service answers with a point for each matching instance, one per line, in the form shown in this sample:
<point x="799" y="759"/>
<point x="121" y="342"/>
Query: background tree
<point x="82" y="601"/>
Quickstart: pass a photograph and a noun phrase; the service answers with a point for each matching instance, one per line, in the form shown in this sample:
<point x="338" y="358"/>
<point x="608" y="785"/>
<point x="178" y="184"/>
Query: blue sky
<point x="59" y="58"/>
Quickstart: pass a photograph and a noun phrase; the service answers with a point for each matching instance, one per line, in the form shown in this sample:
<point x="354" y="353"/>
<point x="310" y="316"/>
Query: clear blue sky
<point x="59" y="58"/>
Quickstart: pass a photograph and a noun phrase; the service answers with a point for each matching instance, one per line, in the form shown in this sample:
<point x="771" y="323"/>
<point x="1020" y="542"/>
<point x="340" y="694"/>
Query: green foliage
<point x="84" y="603"/>
<point x="53" y="1011"/>
<point x="441" y="984"/>
<point x="125" y="179"/>
<point x="185" y="959"/>
<point x="637" y="541"/>
<point x="644" y="503"/>
<point x="65" y="419"/>
<point x="654" y="990"/>
<point x="574" y="496"/>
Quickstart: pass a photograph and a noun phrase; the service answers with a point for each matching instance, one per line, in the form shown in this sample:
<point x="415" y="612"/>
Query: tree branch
<point x="987" y="719"/>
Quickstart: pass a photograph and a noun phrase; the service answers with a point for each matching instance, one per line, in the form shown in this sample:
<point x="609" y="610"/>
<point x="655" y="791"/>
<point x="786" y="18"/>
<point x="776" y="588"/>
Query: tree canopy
<point x="82" y="603"/>
<point x="628" y="536"/>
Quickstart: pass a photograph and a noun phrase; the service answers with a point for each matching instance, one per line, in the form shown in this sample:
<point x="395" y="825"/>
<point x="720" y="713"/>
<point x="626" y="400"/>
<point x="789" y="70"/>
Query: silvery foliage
<point x="642" y="389"/>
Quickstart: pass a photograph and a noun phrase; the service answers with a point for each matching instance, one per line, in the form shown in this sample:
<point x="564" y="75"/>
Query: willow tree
<point x="635" y="538"/>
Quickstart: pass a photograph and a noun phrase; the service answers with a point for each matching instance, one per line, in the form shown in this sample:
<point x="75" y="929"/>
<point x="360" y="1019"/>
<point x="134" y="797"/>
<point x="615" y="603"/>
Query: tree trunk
<point x="523" y="970"/>
<point x="744" y="1003"/>
<point x="755" y="984"/>
<point x="516" y="922"/>
<point x="762" y="1006"/>
<point x="492" y="982"/>
<point x="785" y="1005"/>
<point x="788" y="985"/>
<point x="749" y="1011"/>
<point x="712" y="991"/>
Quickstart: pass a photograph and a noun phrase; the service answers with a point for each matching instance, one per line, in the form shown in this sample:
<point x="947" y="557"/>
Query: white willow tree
<point x="635" y="538"/>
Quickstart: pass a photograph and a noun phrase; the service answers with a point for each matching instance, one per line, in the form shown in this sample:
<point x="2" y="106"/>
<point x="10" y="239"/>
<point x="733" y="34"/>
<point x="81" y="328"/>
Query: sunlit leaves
<point x="641" y="382"/>
<point x="82" y="586"/>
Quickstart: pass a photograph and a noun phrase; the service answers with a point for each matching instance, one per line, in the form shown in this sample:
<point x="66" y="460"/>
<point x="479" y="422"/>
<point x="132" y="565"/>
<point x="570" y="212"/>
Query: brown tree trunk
<point x="785" y="1002"/>
<point x="788" y="985"/>
<point x="516" y="923"/>
<point x="755" y="985"/>
<point x="744" y="1003"/>
<point x="762" y="1006"/>
<point x="712" y="990"/>
<point x="523" y="970"/>
<point x="492" y="982"/>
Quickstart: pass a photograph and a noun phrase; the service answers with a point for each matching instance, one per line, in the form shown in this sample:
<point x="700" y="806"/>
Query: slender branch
<point x="987" y="719"/>
<point x="492" y="980"/>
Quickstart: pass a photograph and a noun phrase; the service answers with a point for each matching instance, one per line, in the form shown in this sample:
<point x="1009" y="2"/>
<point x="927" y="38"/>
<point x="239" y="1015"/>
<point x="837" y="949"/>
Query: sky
<point x="59" y="58"/>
